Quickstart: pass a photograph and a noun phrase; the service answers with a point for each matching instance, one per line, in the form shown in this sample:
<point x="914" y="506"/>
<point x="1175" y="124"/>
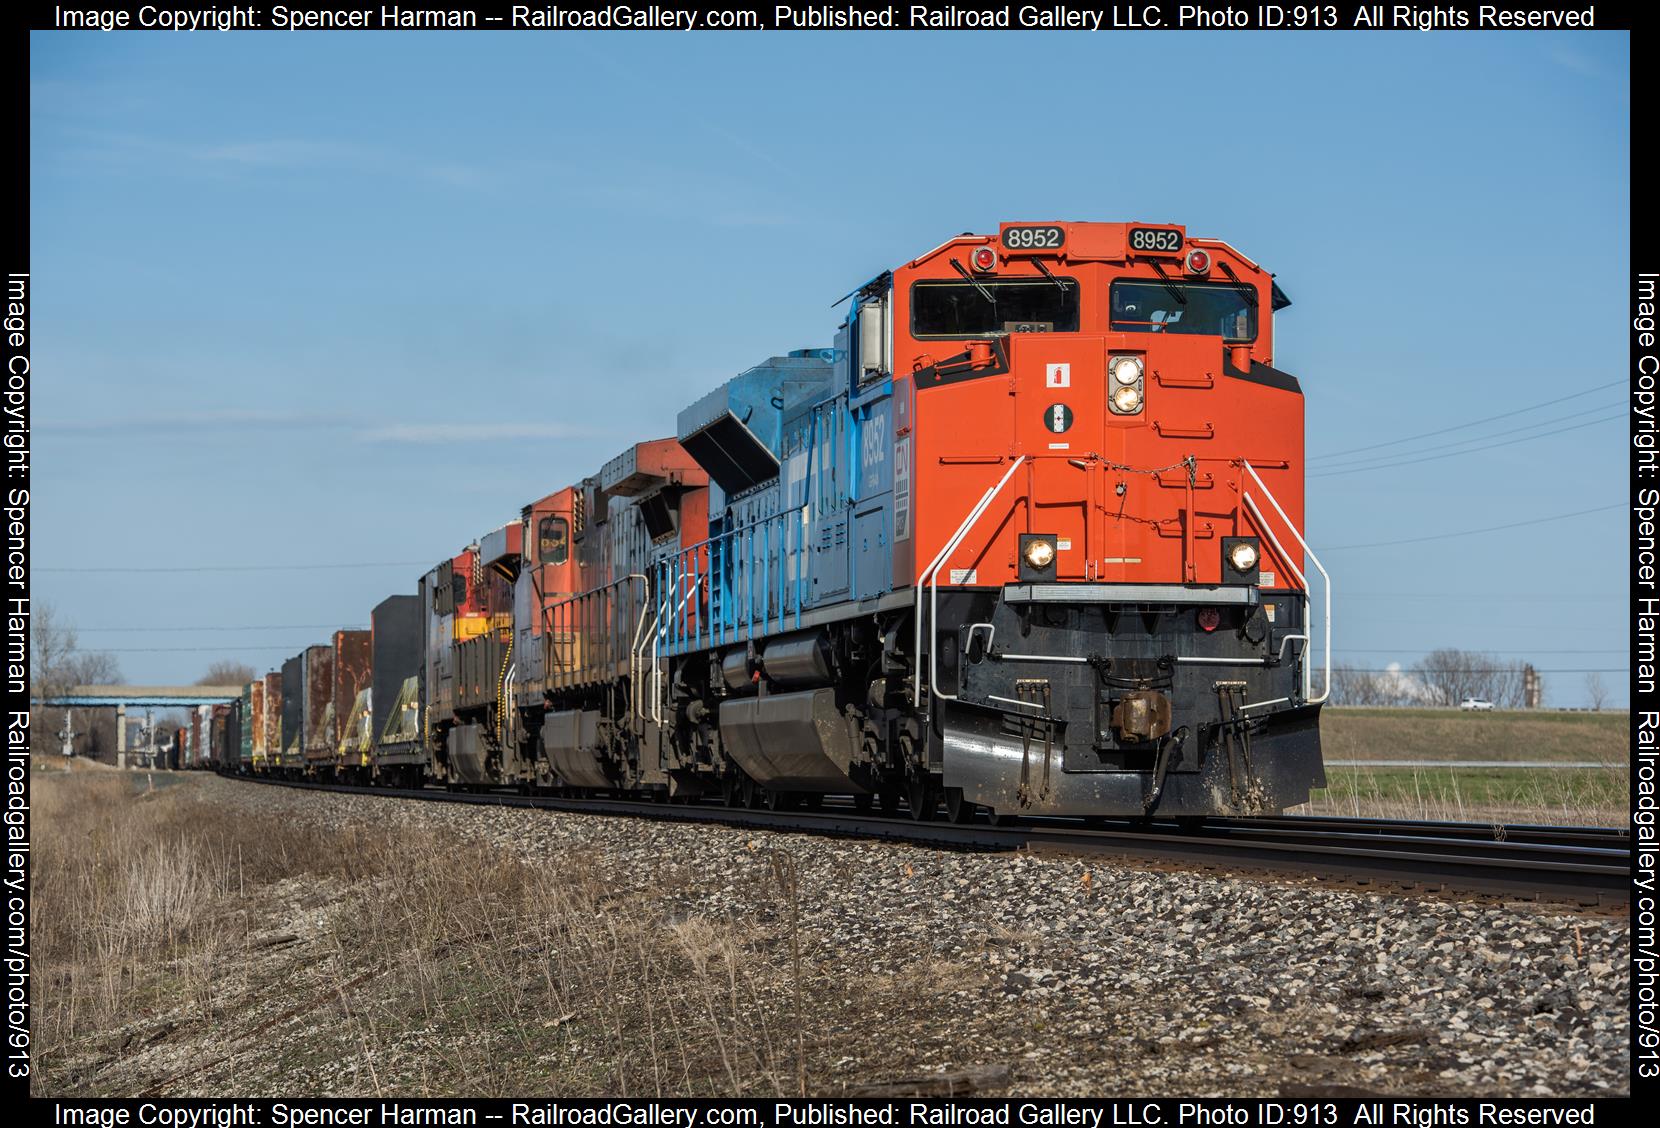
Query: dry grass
<point x="184" y="948"/>
<point x="1565" y="797"/>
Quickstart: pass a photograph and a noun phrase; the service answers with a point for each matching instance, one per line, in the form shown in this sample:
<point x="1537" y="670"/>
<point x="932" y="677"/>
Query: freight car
<point x="1026" y="539"/>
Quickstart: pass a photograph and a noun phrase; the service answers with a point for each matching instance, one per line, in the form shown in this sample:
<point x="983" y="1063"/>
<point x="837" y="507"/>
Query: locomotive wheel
<point x="958" y="809"/>
<point x="890" y="802"/>
<point x="922" y="798"/>
<point x="732" y="791"/>
<point x="753" y="795"/>
<point x="780" y="800"/>
<point x="863" y="803"/>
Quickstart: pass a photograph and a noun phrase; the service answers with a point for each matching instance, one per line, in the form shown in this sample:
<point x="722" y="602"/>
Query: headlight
<point x="1243" y="557"/>
<point x="1040" y="553"/>
<point x="1126" y="400"/>
<point x="1126" y="370"/>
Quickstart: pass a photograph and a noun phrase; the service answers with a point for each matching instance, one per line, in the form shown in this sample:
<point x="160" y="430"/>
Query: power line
<point x="1618" y="408"/>
<point x="189" y="649"/>
<point x="1485" y="596"/>
<point x="272" y="627"/>
<point x="1471" y="450"/>
<point x="1459" y="426"/>
<point x="254" y="567"/>
<point x="1489" y="670"/>
<point x="1432" y="649"/>
<point x="1473" y="532"/>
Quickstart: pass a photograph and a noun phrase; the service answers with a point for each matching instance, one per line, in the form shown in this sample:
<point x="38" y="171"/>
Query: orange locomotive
<point x="1122" y="625"/>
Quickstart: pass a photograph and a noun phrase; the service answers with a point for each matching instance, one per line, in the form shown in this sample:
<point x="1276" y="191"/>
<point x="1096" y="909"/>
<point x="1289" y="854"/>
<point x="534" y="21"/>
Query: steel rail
<point x="1582" y="865"/>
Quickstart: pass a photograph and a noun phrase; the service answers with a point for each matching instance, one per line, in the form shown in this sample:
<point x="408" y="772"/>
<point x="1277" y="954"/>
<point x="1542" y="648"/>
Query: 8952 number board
<point x="1161" y="240"/>
<point x="1044" y="238"/>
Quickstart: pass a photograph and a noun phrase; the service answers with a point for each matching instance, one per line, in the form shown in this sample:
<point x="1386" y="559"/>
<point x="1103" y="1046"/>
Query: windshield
<point x="1214" y="309"/>
<point x="960" y="309"/>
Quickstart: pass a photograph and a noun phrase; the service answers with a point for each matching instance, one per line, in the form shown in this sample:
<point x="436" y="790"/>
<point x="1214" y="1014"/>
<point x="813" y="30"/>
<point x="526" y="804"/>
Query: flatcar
<point x="1027" y="537"/>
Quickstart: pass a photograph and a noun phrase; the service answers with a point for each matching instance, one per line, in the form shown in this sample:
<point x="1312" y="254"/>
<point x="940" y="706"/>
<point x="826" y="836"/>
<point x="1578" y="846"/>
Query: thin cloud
<point x="1575" y="61"/>
<point x="754" y="219"/>
<point x="281" y="153"/>
<point x="459" y="176"/>
<point x="221" y="419"/>
<point x="287" y="154"/>
<point x="475" y="432"/>
<point x="672" y="102"/>
<point x="256" y="419"/>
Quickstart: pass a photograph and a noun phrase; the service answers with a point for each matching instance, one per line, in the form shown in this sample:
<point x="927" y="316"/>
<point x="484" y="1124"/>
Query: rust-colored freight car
<point x="352" y="670"/>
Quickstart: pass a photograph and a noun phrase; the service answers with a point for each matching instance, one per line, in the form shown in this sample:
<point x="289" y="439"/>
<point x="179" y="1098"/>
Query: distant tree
<point x="1450" y="675"/>
<point x="1378" y="688"/>
<point x="57" y="664"/>
<point x="1596" y="690"/>
<point x="226" y="672"/>
<point x="1350" y="686"/>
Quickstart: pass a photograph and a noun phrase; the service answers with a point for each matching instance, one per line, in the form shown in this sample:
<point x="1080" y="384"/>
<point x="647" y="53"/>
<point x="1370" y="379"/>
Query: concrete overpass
<point x="153" y="696"/>
<point x="146" y="697"/>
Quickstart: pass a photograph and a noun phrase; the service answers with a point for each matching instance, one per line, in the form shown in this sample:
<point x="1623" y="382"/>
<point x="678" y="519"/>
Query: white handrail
<point x="930" y="576"/>
<point x="1325" y="691"/>
<point x="659" y="629"/>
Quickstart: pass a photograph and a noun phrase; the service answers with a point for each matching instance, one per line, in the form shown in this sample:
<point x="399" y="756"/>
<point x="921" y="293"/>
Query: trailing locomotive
<point x="1026" y="539"/>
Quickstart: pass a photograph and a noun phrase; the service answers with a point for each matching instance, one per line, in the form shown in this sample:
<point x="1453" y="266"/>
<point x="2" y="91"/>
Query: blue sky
<point x="357" y="297"/>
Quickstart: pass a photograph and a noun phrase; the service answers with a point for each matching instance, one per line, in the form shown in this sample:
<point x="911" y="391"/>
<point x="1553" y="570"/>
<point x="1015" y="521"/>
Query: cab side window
<point x="553" y="540"/>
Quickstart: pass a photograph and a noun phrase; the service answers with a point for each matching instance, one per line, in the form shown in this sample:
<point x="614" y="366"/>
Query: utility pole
<point x="1532" y="690"/>
<point x="68" y="732"/>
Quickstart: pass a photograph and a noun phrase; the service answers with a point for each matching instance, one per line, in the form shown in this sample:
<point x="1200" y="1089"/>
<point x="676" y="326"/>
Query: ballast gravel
<point x="1027" y="974"/>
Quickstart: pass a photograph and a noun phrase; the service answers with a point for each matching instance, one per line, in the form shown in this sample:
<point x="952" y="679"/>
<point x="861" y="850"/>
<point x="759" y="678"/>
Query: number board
<point x="1155" y="240"/>
<point x="1044" y="237"/>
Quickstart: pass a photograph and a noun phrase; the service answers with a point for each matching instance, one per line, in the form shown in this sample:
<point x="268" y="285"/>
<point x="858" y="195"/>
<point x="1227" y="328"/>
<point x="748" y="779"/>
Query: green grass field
<point x="1579" y="796"/>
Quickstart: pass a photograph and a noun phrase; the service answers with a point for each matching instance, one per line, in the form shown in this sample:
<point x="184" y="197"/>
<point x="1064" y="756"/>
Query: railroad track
<point x="1583" y="865"/>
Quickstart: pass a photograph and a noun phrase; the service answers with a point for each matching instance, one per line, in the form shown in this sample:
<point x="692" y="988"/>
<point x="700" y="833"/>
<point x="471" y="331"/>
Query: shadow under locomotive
<point x="1073" y="700"/>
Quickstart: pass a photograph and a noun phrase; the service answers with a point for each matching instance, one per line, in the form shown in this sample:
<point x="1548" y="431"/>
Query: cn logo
<point x="1058" y="376"/>
<point x="1058" y="418"/>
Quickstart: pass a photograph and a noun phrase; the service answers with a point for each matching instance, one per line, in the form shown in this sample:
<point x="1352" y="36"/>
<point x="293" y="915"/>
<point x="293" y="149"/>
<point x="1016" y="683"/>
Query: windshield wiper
<point x="1158" y="267"/>
<point x="975" y="282"/>
<point x="1243" y="290"/>
<point x="1037" y="262"/>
